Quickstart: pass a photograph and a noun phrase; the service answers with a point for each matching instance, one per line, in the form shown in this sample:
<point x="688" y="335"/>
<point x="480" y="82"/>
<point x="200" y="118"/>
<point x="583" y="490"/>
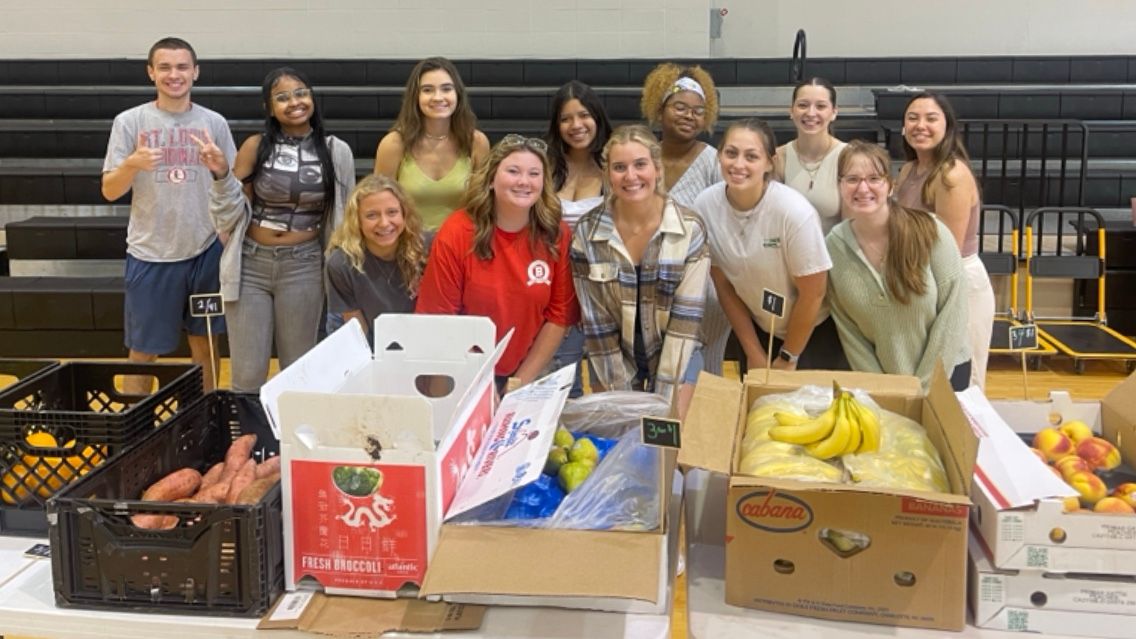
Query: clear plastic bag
<point x="612" y="413"/>
<point x="622" y="493"/>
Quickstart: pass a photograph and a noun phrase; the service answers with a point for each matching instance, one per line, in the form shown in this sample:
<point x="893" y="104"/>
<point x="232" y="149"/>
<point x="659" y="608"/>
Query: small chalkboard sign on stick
<point x="773" y="303"/>
<point x="662" y="432"/>
<point x="1024" y="338"/>
<point x="208" y="305"/>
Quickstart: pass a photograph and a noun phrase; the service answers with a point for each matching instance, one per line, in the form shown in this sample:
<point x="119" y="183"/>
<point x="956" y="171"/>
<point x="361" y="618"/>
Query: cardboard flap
<point x="361" y="616"/>
<point x="1118" y="418"/>
<point x="1006" y="470"/>
<point x="387" y="424"/>
<point x="904" y="385"/>
<point x="708" y="430"/>
<point x="321" y="369"/>
<point x="515" y="448"/>
<point x="545" y="562"/>
<point x="961" y="443"/>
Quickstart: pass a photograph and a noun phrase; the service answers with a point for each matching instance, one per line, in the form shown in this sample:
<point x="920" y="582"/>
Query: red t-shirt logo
<point x="539" y="273"/>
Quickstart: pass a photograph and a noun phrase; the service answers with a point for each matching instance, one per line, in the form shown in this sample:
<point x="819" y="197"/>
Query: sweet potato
<point x="154" y="522"/>
<point x="270" y="466"/>
<point x="245" y="476"/>
<point x="256" y="491"/>
<point x="214" y="494"/>
<point x="239" y="452"/>
<point x="180" y="483"/>
<point x="212" y="475"/>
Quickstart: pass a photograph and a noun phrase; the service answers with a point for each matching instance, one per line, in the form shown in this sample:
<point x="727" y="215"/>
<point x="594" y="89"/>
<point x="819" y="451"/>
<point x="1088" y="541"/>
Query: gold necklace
<point x="812" y="168"/>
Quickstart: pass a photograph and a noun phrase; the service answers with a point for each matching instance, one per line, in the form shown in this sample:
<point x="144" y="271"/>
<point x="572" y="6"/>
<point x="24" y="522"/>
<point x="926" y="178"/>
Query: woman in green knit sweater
<point x="897" y="288"/>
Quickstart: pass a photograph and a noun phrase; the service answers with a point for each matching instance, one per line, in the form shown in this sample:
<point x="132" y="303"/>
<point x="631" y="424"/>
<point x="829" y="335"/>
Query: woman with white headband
<point x="683" y="103"/>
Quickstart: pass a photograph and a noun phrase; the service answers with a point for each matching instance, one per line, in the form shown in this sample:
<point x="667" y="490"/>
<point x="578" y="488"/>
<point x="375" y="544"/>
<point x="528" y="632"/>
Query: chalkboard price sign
<point x="1023" y="338"/>
<point x="658" y="431"/>
<point x="206" y="305"/>
<point x="773" y="303"/>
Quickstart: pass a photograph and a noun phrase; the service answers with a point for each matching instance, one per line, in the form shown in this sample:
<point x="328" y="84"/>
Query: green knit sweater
<point x="879" y="334"/>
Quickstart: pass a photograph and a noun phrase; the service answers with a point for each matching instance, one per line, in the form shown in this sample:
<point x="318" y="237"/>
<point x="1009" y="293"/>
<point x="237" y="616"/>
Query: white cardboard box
<point x="1020" y="515"/>
<point x="1049" y="603"/>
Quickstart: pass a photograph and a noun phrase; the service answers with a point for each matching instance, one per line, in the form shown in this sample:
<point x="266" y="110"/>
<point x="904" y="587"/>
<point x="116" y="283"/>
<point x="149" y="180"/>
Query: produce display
<point x="27" y="475"/>
<point x="239" y="479"/>
<point x="570" y="461"/>
<point x="1085" y="462"/>
<point x="838" y="437"/>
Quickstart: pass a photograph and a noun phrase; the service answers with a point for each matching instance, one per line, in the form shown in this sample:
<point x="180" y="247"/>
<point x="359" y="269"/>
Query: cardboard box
<point x="1020" y="515"/>
<point x="341" y="406"/>
<point x="1049" y="603"/>
<point x="373" y="417"/>
<point x="912" y="573"/>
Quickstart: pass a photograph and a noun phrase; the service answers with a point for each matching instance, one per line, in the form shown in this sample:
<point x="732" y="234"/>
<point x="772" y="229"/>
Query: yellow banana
<point x="837" y="440"/>
<point x="847" y="413"/>
<point x="813" y="430"/>
<point x="791" y="419"/>
<point x="869" y="424"/>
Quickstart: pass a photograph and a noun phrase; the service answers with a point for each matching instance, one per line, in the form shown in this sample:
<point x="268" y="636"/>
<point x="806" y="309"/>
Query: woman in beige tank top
<point x="808" y="163"/>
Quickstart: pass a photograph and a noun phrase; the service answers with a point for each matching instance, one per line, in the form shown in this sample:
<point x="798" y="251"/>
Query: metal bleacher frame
<point x="1081" y="338"/>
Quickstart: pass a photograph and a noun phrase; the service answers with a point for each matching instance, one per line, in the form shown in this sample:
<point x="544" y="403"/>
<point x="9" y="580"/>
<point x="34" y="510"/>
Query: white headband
<point x="685" y="83"/>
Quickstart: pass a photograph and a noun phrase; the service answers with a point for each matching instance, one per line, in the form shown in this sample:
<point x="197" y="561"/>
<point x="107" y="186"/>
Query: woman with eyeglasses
<point x="504" y="255"/>
<point x="640" y="265"/>
<point x="434" y="144"/>
<point x="808" y="163"/>
<point x="577" y="133"/>
<point x="279" y="205"/>
<point x="765" y="235"/>
<point x="897" y="286"/>
<point x="937" y="178"/>
<point x="683" y="103"/>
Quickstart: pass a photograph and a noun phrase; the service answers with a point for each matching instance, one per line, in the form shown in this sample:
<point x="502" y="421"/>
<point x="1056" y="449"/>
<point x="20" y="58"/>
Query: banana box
<point x="833" y="550"/>
<point x="1049" y="603"/>
<point x="373" y="447"/>
<point x="1020" y="512"/>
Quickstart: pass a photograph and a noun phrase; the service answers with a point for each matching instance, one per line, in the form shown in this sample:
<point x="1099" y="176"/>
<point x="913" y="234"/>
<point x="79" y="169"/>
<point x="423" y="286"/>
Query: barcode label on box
<point x="1011" y="528"/>
<point x="991" y="589"/>
<point x="291" y="606"/>
<point x="1017" y="620"/>
<point x="1037" y="557"/>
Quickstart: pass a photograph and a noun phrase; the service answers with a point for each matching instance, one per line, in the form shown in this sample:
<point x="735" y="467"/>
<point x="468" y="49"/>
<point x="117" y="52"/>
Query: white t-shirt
<point x="572" y="210"/>
<point x="765" y="247"/>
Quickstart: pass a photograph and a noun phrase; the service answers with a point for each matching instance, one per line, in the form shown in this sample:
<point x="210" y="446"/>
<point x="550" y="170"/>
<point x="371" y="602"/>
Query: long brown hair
<point x="479" y="200"/>
<point x="949" y="151"/>
<point x="463" y="123"/>
<point x="410" y="253"/>
<point x="911" y="232"/>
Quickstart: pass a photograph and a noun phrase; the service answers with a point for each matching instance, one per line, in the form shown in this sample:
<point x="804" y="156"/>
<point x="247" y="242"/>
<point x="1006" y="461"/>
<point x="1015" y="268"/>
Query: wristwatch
<point x="787" y="356"/>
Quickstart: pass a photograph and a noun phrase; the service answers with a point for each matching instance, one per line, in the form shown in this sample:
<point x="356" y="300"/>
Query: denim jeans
<point x="281" y="298"/>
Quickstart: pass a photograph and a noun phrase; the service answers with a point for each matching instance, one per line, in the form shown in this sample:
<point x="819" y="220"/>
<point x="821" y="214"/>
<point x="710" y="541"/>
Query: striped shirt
<point x="675" y="268"/>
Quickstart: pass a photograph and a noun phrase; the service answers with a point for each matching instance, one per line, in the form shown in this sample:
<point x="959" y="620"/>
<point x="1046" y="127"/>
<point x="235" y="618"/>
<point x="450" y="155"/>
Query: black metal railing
<point x="800" y="58"/>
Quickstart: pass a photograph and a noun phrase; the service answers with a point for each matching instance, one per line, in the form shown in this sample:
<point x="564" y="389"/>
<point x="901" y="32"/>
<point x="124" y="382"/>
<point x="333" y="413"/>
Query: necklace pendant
<point x="810" y="184"/>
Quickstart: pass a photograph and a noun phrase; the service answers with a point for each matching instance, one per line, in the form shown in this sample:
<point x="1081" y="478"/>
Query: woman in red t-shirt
<point x="504" y="255"/>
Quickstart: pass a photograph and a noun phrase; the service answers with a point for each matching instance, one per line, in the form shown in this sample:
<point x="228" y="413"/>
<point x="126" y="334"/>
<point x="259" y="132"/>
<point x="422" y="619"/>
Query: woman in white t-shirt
<point x="808" y="163"/>
<point x="764" y="235"/>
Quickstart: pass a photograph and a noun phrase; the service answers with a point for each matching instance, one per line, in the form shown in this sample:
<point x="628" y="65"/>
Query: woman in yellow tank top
<point x="434" y="144"/>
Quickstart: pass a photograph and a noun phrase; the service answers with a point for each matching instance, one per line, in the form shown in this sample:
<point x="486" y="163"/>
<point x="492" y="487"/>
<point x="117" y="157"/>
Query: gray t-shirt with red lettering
<point x="169" y="210"/>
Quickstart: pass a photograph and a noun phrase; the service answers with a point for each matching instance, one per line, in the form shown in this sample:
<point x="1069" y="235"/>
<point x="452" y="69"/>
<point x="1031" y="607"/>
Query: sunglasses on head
<point x="516" y="140"/>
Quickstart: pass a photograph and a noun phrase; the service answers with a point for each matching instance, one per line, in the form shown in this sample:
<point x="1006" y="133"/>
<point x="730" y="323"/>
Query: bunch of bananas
<point x="846" y="427"/>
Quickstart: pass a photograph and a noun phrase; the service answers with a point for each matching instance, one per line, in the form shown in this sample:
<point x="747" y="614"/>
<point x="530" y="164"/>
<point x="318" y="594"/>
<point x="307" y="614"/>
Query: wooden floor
<point x="1003" y="381"/>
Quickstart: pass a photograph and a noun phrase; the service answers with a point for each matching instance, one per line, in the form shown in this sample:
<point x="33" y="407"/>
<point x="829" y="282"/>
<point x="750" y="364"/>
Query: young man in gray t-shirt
<point x="172" y="250"/>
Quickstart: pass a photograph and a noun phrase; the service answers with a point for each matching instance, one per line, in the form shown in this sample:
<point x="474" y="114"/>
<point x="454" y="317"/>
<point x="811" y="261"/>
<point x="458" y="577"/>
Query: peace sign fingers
<point x="211" y="155"/>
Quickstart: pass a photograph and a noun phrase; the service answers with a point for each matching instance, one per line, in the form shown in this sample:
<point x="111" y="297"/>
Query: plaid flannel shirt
<point x="675" y="270"/>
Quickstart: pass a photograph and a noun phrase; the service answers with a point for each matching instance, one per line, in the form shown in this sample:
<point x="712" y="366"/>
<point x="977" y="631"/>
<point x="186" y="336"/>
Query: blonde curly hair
<point x="658" y="88"/>
<point x="411" y="251"/>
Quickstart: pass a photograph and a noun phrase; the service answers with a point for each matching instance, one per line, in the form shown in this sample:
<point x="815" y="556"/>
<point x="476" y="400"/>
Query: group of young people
<point x="637" y="253"/>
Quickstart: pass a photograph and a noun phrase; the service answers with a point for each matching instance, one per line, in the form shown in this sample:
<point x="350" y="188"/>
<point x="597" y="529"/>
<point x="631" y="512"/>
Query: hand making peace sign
<point x="212" y="156"/>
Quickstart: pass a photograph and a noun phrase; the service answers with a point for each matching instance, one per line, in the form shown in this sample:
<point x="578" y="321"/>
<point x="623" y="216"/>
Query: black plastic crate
<point x="81" y="400"/>
<point x="47" y="440"/>
<point x="219" y="559"/>
<point x="14" y="371"/>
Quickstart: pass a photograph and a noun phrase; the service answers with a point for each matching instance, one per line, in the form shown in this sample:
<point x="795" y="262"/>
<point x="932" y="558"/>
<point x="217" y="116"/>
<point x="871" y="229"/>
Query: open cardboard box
<point x="1020" y="515"/>
<point x="913" y="571"/>
<point x="439" y="458"/>
<point x="1049" y="603"/>
<point x="342" y="407"/>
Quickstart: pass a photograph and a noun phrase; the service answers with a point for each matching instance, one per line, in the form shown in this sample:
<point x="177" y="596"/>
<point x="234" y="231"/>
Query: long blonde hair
<point x="479" y="200"/>
<point x="911" y="232"/>
<point x="410" y="254"/>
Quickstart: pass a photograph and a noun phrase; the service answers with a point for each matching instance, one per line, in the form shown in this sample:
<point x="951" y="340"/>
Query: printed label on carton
<point x="359" y="526"/>
<point x="1113" y="532"/>
<point x="992" y="589"/>
<point x="774" y="512"/>
<point x="934" y="508"/>
<point x="457" y="459"/>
